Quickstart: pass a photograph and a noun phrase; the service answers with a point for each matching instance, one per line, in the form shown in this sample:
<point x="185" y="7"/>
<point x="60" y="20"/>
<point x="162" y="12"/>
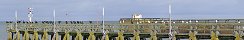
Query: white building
<point x="136" y="16"/>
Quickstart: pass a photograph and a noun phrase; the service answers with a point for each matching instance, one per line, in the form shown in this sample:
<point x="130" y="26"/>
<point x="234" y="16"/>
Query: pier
<point x="223" y="29"/>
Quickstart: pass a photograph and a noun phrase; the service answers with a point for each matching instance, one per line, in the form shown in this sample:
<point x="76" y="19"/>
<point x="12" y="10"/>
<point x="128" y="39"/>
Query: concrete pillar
<point x="26" y="36"/>
<point x="55" y="36"/>
<point x="153" y="35"/>
<point x="106" y="36"/>
<point x="136" y="36"/>
<point x="192" y="36"/>
<point x="237" y="35"/>
<point x="66" y="36"/>
<point x="35" y="36"/>
<point x="45" y="35"/>
<point x="120" y="36"/>
<point x="214" y="36"/>
<point x="78" y="36"/>
<point x="9" y="36"/>
<point x="91" y="36"/>
<point x="174" y="37"/>
<point x="17" y="35"/>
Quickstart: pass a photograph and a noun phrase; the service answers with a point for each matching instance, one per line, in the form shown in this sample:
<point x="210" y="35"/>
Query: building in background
<point x="138" y="19"/>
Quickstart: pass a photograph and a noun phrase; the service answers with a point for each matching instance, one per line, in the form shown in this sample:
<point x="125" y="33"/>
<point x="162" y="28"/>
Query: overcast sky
<point x="116" y="9"/>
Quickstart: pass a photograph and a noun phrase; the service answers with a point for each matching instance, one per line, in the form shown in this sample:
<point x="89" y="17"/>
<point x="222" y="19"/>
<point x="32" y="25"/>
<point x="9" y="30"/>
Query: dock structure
<point x="217" y="29"/>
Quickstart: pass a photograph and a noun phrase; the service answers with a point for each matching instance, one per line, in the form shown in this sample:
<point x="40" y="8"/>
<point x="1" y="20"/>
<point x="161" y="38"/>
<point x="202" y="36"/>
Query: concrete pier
<point x="193" y="31"/>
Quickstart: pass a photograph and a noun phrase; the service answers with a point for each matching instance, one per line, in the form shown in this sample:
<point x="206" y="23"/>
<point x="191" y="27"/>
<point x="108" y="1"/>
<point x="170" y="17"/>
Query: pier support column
<point x="78" y="36"/>
<point x="45" y="35"/>
<point x="192" y="36"/>
<point x="174" y="37"/>
<point x="66" y="36"/>
<point x="55" y="36"/>
<point x="91" y="36"/>
<point x="17" y="35"/>
<point x="35" y="36"/>
<point x="153" y="35"/>
<point x="106" y="36"/>
<point x="120" y="36"/>
<point x="10" y="35"/>
<point x="136" y="35"/>
<point x="237" y="35"/>
<point x="214" y="36"/>
<point x="26" y="36"/>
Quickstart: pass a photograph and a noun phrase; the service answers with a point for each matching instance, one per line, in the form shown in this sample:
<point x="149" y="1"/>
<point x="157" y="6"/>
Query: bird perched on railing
<point x="23" y="22"/>
<point x="36" y="22"/>
<point x="59" y="22"/>
<point x="18" y="21"/>
<point x="66" y="22"/>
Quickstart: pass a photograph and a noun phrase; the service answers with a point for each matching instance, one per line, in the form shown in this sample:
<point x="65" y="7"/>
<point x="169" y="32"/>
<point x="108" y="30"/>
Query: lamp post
<point x="103" y="28"/>
<point x="170" y="25"/>
<point x="54" y="20"/>
<point x="16" y="19"/>
<point x="30" y="14"/>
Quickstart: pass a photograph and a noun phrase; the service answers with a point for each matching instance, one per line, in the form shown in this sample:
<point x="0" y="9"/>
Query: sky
<point x="84" y="10"/>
